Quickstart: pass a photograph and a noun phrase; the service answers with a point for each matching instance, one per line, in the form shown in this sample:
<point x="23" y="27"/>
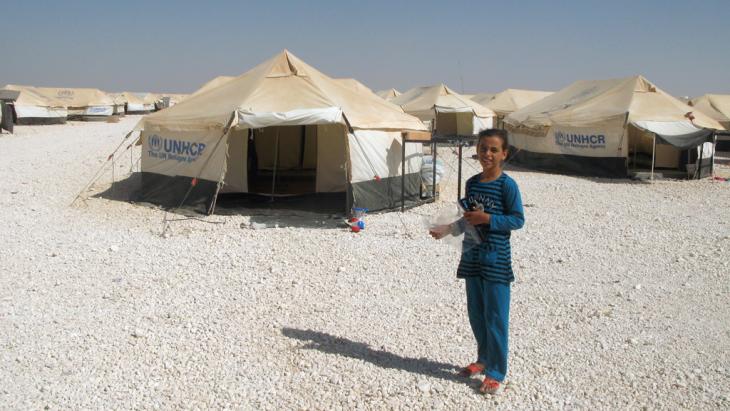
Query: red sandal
<point x="471" y="369"/>
<point x="490" y="386"/>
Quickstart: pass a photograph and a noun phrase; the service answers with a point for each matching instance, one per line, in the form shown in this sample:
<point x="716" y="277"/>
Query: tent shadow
<point x="321" y="211"/>
<point x="599" y="180"/>
<point x="331" y="344"/>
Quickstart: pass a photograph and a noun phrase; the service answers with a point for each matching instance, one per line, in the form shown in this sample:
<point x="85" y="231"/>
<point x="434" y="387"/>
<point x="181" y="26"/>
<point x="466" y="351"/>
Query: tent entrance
<point x="283" y="160"/>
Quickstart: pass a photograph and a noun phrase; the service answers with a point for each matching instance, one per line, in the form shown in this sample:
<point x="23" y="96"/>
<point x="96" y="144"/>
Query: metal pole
<point x="276" y="162"/>
<point x="653" y="156"/>
<point x="714" y="147"/>
<point x="699" y="162"/>
<point x="458" y="186"/>
<point x="403" y="175"/>
<point x="433" y="164"/>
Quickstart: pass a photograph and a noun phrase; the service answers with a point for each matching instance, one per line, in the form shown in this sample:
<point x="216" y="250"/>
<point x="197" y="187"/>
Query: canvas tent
<point x="482" y="98"/>
<point x="511" y="100"/>
<point x="283" y="128"/>
<point x="609" y="128"/>
<point x="82" y="103"/>
<point x="447" y="112"/>
<point x="388" y="94"/>
<point x="33" y="107"/>
<point x="216" y="82"/>
<point x="717" y="106"/>
<point x="120" y="103"/>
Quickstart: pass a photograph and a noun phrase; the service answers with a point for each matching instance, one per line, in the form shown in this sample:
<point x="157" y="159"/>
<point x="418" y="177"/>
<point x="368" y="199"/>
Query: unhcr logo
<point x="578" y="140"/>
<point x="171" y="149"/>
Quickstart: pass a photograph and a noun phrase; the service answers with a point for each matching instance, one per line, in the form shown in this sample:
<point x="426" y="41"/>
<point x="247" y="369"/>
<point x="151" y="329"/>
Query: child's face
<point x="490" y="153"/>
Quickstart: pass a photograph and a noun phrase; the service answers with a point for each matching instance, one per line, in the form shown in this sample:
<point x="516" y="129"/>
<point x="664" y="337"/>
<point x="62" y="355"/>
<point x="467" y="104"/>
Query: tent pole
<point x="458" y="186"/>
<point x="712" y="163"/>
<point x="403" y="174"/>
<point x="276" y="163"/>
<point x="699" y="162"/>
<point x="653" y="157"/>
<point x="433" y="174"/>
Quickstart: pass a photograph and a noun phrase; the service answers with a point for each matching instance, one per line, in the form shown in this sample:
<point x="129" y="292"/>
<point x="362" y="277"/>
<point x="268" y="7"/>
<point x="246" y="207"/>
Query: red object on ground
<point x="194" y="182"/>
<point x="353" y="220"/>
<point x="355" y="229"/>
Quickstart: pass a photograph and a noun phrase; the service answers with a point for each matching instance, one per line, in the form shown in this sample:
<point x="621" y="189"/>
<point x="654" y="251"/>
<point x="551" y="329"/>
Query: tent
<point x="220" y="80"/>
<point x="33" y="107"/>
<point x="173" y="98"/>
<point x="120" y="103"/>
<point x="612" y="128"/>
<point x="149" y="101"/>
<point x="133" y="104"/>
<point x="482" y="98"/>
<point x="389" y="94"/>
<point x="717" y="106"/>
<point x="82" y="103"/>
<point x="448" y="113"/>
<point x="354" y="85"/>
<point x="511" y="100"/>
<point x="281" y="129"/>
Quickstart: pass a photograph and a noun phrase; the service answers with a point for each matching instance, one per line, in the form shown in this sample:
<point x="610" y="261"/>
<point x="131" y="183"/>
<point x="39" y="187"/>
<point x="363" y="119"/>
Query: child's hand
<point x="440" y="231"/>
<point x="477" y="217"/>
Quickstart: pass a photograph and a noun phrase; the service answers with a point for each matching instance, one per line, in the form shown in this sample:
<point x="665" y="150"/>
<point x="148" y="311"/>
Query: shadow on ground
<point x="343" y="347"/>
<point x="324" y="210"/>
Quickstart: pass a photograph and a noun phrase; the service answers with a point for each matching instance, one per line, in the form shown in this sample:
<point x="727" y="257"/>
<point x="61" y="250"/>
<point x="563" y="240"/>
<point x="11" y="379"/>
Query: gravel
<point x="621" y="297"/>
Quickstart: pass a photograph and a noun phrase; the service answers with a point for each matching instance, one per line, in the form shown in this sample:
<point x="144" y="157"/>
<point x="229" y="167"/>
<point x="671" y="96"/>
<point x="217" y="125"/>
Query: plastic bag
<point x="427" y="170"/>
<point x="459" y="234"/>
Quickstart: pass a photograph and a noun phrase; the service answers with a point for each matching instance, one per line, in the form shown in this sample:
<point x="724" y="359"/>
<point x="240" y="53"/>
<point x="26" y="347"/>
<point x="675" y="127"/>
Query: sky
<point x="473" y="47"/>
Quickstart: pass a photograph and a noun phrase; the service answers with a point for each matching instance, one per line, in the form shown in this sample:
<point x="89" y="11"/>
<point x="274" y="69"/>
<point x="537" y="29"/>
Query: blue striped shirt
<point x="492" y="257"/>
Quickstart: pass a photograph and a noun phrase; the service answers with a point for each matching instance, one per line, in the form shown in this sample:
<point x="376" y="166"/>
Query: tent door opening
<point x="282" y="160"/>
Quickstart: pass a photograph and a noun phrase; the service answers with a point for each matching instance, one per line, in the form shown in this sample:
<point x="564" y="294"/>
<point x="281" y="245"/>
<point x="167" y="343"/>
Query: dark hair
<point x="495" y="132"/>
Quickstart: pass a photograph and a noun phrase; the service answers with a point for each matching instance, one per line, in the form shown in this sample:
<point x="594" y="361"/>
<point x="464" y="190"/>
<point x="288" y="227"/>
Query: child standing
<point x="487" y="267"/>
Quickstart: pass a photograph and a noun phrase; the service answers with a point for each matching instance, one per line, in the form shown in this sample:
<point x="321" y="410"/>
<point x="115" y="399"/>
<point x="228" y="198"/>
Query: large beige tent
<point x="717" y="106"/>
<point x="511" y="100"/>
<point x="82" y="103"/>
<point x="611" y="127"/>
<point x="133" y="103"/>
<point x="216" y="82"/>
<point x="389" y="94"/>
<point x="120" y="103"/>
<point x="283" y="128"/>
<point x="447" y="112"/>
<point x="482" y="98"/>
<point x="33" y="107"/>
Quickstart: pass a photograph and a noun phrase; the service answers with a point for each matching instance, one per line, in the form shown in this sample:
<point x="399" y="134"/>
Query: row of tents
<point x="48" y="105"/>
<point x="284" y="128"/>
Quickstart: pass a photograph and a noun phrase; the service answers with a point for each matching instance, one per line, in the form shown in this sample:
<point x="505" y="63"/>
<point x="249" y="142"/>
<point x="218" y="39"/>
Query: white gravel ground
<point x="621" y="300"/>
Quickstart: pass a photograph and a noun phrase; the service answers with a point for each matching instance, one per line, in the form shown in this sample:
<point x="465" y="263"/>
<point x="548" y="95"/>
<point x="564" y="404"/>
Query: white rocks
<point x="223" y="316"/>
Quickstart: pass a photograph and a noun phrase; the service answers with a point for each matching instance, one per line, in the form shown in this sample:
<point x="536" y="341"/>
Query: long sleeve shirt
<point x="491" y="257"/>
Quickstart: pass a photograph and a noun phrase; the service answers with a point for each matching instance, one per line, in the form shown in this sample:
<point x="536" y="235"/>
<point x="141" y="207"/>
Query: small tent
<point x="82" y="103"/>
<point x="511" y="100"/>
<point x="388" y="94"/>
<point x="281" y="129"/>
<point x="133" y="104"/>
<point x="120" y="103"/>
<point x="33" y="107"/>
<point x="717" y="106"/>
<point x="612" y="128"/>
<point x="447" y="112"/>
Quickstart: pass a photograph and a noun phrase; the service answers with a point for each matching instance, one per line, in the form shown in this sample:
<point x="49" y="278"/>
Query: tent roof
<point x="354" y="85"/>
<point x="280" y="85"/>
<point x="213" y="84"/>
<point x="389" y="93"/>
<point x="78" y="97"/>
<point x="716" y="106"/>
<point x="30" y="96"/>
<point x="587" y="102"/>
<point x="482" y="98"/>
<point x="513" y="99"/>
<point x="422" y="100"/>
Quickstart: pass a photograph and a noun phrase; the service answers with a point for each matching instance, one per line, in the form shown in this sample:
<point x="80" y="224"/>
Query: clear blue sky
<point x="175" y="46"/>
